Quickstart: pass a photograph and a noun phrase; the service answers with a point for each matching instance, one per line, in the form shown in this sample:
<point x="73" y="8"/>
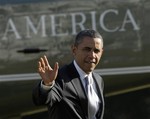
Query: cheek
<point x="78" y="56"/>
<point x="100" y="54"/>
<point x="99" y="57"/>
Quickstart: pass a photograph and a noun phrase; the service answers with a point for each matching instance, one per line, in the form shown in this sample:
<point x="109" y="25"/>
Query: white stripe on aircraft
<point x="107" y="71"/>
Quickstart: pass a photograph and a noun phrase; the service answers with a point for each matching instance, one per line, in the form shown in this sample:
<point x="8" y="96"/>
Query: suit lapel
<point x="99" y="85"/>
<point x="76" y="82"/>
<point x="81" y="93"/>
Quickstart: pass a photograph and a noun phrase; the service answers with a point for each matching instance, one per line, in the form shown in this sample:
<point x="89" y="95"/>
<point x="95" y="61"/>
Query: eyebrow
<point x="89" y="48"/>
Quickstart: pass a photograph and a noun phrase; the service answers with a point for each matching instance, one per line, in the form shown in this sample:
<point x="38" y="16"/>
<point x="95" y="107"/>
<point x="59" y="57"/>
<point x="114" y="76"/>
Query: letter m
<point x="31" y="28"/>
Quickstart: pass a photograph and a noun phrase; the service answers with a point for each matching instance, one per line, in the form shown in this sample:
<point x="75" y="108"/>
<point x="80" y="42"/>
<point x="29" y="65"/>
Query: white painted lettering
<point x="30" y="26"/>
<point x="75" y="23"/>
<point x="129" y="19"/>
<point x="102" y="20"/>
<point x="11" y="28"/>
<point x="93" y="17"/>
<point x="57" y="28"/>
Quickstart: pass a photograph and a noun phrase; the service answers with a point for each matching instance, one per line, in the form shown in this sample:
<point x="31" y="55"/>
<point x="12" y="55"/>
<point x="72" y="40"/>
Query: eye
<point x="96" y="50"/>
<point x="87" y="49"/>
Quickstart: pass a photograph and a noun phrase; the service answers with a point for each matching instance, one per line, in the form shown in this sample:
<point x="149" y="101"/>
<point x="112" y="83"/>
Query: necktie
<point x="93" y="100"/>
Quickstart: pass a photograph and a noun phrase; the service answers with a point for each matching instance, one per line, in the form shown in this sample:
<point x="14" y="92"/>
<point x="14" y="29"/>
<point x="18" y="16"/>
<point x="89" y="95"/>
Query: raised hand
<point x="47" y="74"/>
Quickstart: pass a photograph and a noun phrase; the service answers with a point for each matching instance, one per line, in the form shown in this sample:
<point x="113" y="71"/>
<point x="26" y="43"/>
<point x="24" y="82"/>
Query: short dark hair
<point x="85" y="33"/>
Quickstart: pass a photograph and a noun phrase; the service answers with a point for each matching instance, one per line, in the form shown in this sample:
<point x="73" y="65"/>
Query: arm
<point x="48" y="76"/>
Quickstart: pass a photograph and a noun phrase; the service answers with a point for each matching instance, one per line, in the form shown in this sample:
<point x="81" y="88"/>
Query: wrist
<point x="46" y="87"/>
<point x="48" y="84"/>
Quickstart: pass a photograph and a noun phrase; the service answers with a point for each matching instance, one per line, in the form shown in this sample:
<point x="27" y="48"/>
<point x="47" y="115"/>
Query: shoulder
<point x="68" y="71"/>
<point x="98" y="79"/>
<point x="96" y="75"/>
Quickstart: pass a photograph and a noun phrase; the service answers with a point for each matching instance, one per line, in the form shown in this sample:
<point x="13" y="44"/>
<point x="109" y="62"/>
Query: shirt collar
<point x="80" y="71"/>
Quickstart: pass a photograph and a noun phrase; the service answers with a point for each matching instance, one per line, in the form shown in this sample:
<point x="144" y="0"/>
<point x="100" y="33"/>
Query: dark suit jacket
<point x="67" y="99"/>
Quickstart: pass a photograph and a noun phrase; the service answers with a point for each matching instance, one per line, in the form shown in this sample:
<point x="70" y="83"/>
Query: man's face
<point x="88" y="53"/>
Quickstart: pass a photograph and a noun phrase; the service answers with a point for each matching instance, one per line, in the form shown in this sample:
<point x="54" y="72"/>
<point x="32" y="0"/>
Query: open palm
<point x="47" y="74"/>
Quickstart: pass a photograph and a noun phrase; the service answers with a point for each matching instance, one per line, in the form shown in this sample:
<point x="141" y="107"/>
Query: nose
<point x="92" y="54"/>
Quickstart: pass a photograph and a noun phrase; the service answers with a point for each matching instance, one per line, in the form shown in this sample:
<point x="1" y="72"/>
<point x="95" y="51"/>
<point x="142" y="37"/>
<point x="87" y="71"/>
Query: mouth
<point x="90" y="62"/>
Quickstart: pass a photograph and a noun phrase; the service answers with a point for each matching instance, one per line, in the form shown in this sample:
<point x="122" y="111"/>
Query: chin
<point x="90" y="70"/>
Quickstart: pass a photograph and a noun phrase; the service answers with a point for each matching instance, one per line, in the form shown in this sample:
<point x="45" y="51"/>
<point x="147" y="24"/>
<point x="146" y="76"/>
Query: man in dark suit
<point x="73" y="91"/>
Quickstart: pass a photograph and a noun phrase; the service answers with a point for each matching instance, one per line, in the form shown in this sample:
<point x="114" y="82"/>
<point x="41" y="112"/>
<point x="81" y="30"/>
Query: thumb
<point x="56" y="67"/>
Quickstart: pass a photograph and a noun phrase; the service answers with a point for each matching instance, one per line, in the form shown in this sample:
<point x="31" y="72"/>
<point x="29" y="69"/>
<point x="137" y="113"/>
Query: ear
<point x="73" y="48"/>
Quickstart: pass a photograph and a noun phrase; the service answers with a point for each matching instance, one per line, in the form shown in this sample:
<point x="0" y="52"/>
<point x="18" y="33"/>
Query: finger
<point x="42" y="62"/>
<point x="40" y="69"/>
<point x="39" y="64"/>
<point x="56" y="67"/>
<point x="46" y="62"/>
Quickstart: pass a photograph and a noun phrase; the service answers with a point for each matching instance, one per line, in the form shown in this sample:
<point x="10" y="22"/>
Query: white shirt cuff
<point x="46" y="88"/>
